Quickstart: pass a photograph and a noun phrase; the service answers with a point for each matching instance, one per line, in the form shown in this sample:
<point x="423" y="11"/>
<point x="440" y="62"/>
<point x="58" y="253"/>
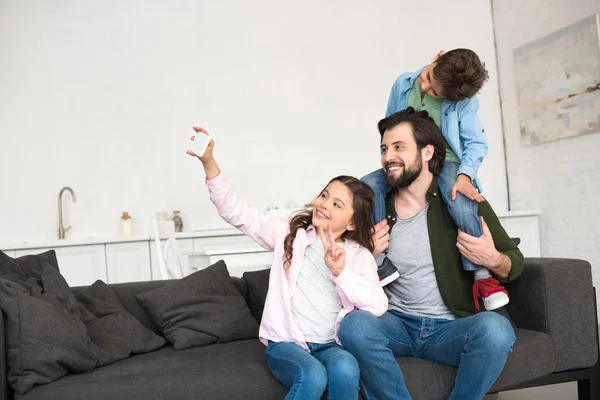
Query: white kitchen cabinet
<point x="184" y="245"/>
<point x="80" y="265"/>
<point x="237" y="259"/>
<point x="238" y="240"/>
<point x="526" y="226"/>
<point x="10" y="253"/>
<point x="128" y="262"/>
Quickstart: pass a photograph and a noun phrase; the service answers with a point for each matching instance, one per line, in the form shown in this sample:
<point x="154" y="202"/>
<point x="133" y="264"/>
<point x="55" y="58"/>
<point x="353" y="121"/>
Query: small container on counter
<point x="177" y="221"/>
<point x="126" y="224"/>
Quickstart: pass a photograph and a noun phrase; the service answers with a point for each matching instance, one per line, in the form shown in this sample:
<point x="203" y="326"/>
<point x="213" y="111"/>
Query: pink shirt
<point x="358" y="284"/>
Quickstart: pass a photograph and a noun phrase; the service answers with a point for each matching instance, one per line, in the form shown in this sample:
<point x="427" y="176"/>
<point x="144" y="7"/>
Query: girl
<point x="322" y="269"/>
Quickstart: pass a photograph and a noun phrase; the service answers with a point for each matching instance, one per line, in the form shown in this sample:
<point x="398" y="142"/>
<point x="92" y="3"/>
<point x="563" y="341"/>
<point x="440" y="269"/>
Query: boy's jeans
<point x="478" y="345"/>
<point x="462" y="210"/>
<point x="308" y="374"/>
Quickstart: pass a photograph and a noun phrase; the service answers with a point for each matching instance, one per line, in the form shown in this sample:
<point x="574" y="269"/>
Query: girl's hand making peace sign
<point x="335" y="256"/>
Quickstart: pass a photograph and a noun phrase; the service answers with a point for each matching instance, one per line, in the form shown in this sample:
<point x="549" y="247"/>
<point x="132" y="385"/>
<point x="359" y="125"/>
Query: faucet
<point x="61" y="228"/>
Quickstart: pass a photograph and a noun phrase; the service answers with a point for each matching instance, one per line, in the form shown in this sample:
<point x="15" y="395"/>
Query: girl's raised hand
<point x="335" y="256"/>
<point x="208" y="154"/>
<point x="208" y="160"/>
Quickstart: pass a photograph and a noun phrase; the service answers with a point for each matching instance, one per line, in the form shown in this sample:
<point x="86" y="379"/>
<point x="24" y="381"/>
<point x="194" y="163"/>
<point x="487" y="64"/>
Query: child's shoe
<point x="387" y="272"/>
<point x="493" y="294"/>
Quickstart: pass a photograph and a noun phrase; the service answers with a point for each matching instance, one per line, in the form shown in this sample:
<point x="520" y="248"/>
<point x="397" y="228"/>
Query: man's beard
<point x="408" y="176"/>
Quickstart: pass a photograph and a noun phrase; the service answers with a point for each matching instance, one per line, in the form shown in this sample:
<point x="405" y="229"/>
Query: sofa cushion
<point x="127" y="293"/>
<point x="115" y="332"/>
<point x="200" y="309"/>
<point x="234" y="370"/>
<point x="45" y="338"/>
<point x="532" y="357"/>
<point x="258" y="286"/>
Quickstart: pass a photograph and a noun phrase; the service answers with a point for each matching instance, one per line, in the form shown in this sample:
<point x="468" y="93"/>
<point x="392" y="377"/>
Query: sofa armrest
<point x="556" y="296"/>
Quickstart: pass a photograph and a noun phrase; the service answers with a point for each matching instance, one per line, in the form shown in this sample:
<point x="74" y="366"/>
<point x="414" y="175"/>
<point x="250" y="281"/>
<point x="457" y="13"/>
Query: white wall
<point x="101" y="96"/>
<point x="561" y="178"/>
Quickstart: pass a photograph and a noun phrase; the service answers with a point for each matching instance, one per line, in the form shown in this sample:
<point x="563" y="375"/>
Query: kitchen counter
<point x="35" y="244"/>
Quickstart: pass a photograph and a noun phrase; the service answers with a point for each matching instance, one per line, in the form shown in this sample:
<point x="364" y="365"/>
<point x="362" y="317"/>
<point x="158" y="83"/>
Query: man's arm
<point x="494" y="250"/>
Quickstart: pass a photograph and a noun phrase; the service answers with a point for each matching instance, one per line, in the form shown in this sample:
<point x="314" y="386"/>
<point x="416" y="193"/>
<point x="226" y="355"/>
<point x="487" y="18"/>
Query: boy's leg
<point x="342" y="371"/>
<point x="377" y="181"/>
<point x="478" y="345"/>
<point x="297" y="369"/>
<point x="375" y="342"/>
<point x="464" y="213"/>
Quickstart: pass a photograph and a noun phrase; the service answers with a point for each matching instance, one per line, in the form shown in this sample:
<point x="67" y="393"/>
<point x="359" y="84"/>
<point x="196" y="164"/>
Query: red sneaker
<point x="493" y="294"/>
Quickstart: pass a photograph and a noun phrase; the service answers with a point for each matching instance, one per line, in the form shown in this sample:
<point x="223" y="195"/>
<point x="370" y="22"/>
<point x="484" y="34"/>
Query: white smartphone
<point x="199" y="144"/>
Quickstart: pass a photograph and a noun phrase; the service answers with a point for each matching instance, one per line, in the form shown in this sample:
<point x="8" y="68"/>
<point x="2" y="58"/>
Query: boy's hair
<point x="425" y="132"/>
<point x="461" y="74"/>
<point x="363" y="201"/>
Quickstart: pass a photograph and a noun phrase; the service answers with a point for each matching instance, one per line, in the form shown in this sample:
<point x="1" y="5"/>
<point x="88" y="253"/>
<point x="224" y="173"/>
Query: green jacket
<point x="456" y="284"/>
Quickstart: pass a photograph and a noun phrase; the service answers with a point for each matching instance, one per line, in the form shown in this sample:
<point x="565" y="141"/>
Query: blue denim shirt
<point x="460" y="125"/>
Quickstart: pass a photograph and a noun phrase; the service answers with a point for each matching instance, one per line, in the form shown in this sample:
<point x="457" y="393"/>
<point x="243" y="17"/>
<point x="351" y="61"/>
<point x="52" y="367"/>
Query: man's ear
<point x="427" y="152"/>
<point x="438" y="55"/>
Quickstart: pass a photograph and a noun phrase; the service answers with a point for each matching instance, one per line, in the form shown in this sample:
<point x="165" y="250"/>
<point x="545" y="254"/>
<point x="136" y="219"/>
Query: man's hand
<point x="381" y="237"/>
<point x="481" y="251"/>
<point x="464" y="186"/>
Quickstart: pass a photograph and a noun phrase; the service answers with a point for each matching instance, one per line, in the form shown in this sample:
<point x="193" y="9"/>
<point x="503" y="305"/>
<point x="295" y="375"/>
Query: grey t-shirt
<point x="316" y="304"/>
<point x="416" y="292"/>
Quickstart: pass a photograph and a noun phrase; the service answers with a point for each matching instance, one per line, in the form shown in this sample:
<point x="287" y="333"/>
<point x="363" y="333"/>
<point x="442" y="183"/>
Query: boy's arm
<point x="393" y="100"/>
<point x="472" y="137"/>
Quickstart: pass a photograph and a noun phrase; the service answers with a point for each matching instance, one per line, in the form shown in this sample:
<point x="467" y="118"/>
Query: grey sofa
<point x="552" y="309"/>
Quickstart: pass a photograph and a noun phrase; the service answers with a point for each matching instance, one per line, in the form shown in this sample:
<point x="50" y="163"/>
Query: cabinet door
<point x="224" y="242"/>
<point x="128" y="262"/>
<point x="527" y="229"/>
<point x="80" y="265"/>
<point x="237" y="261"/>
<point x="182" y="244"/>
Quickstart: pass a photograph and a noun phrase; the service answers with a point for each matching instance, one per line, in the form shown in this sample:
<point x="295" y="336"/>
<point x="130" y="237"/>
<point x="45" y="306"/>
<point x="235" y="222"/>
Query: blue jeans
<point x="463" y="211"/>
<point x="308" y="374"/>
<point x="478" y="345"/>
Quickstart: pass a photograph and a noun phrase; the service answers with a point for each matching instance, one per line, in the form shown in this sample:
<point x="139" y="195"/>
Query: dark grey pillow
<point x="201" y="309"/>
<point x="45" y="339"/>
<point x="27" y="267"/>
<point x="258" y="286"/>
<point x="115" y="332"/>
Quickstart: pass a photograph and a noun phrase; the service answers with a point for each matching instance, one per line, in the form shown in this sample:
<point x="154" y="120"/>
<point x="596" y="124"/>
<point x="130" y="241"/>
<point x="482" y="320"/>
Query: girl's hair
<point x="363" y="201"/>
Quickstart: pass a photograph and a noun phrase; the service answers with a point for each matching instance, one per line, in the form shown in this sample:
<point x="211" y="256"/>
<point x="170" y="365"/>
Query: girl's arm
<point x="261" y="227"/>
<point x="362" y="288"/>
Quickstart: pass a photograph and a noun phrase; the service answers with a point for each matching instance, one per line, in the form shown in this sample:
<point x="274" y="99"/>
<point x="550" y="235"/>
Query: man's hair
<point x="461" y="74"/>
<point x="425" y="132"/>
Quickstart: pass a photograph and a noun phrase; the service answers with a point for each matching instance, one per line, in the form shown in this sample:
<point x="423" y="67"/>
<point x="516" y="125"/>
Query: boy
<point x="446" y="89"/>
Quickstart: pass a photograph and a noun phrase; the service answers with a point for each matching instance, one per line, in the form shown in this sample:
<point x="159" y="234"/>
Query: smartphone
<point x="200" y="143"/>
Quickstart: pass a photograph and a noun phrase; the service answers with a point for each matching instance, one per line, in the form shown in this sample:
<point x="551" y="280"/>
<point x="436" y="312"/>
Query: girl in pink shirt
<point x="322" y="270"/>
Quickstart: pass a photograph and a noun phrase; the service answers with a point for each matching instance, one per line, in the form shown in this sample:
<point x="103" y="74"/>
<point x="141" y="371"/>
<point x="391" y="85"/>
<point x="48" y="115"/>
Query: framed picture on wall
<point x="558" y="83"/>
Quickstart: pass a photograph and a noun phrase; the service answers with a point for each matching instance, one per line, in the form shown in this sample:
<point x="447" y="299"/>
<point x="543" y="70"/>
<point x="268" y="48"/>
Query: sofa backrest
<point x="127" y="292"/>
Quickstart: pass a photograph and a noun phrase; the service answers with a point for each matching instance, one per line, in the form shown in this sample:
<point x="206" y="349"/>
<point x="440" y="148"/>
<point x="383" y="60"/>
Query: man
<point x="447" y="90"/>
<point x="431" y="313"/>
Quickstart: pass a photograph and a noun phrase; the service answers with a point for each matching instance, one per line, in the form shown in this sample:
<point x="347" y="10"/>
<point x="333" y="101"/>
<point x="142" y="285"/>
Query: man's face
<point x="428" y="84"/>
<point x="400" y="159"/>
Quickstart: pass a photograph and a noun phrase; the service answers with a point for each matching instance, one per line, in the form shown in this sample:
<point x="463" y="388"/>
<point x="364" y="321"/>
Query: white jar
<point x="126" y="224"/>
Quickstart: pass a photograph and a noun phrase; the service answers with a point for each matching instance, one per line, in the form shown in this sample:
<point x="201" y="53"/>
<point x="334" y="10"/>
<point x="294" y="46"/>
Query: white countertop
<point x="519" y="213"/>
<point x="35" y="244"/>
<point x="40" y="243"/>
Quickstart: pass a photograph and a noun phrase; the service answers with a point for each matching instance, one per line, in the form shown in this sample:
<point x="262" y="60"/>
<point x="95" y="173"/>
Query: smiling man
<point x="446" y="89"/>
<point x="431" y="314"/>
